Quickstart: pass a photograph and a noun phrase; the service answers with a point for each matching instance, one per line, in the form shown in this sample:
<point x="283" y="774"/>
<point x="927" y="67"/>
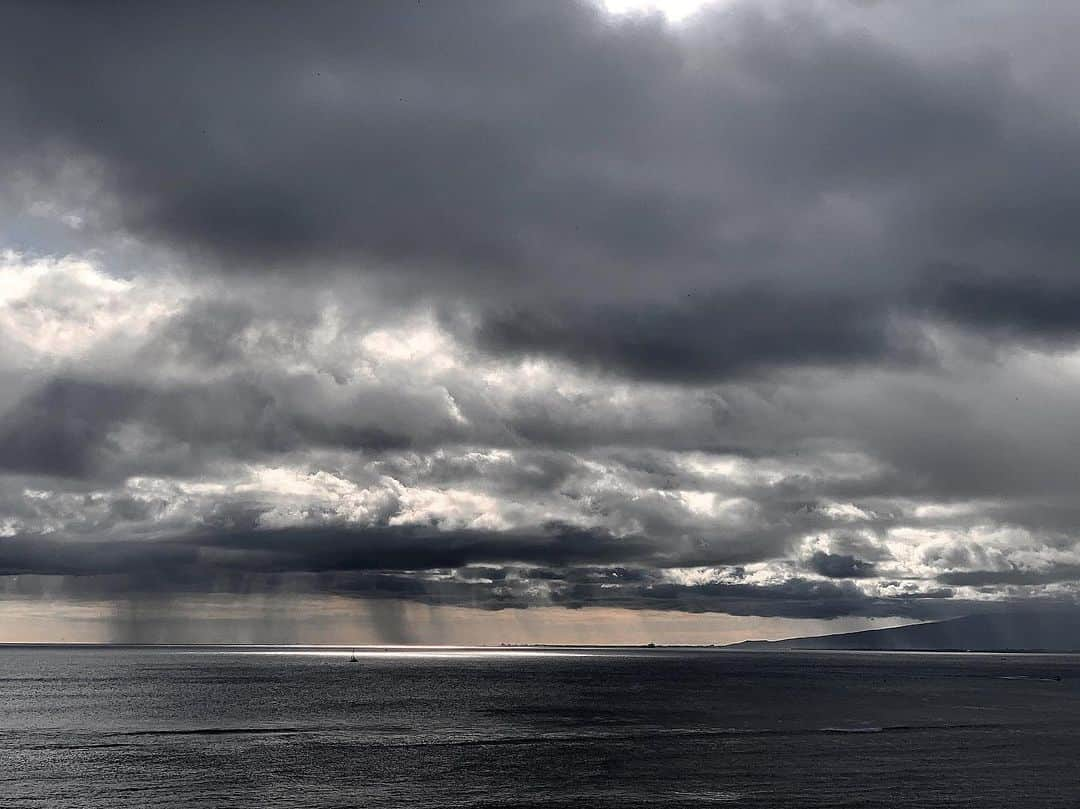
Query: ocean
<point x="303" y="727"/>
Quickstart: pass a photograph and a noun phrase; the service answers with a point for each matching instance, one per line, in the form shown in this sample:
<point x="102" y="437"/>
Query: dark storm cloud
<point x="757" y="189"/>
<point x="757" y="248"/>
<point x="49" y="556"/>
<point x="794" y="598"/>
<point x="417" y="548"/>
<point x="840" y="566"/>
<point x="379" y="129"/>
<point x="708" y="335"/>
<point x="372" y="564"/>
<point x="321" y="549"/>
<point x="1018" y="305"/>
<point x="642" y="589"/>
<point x="68" y="427"/>
<point x="61" y="428"/>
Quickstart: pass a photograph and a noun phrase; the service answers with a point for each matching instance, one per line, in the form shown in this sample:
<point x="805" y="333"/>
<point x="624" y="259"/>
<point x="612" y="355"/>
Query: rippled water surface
<point x="307" y="728"/>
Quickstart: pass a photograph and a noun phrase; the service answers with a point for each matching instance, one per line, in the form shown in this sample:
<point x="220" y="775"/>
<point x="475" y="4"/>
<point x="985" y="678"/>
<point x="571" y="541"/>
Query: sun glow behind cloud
<point x="673" y="10"/>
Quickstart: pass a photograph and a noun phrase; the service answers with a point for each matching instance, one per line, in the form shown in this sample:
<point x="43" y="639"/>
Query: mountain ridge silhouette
<point x="1027" y="631"/>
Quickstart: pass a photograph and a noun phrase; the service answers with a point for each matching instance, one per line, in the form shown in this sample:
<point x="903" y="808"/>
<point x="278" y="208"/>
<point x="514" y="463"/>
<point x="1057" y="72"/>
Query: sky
<point x="484" y="322"/>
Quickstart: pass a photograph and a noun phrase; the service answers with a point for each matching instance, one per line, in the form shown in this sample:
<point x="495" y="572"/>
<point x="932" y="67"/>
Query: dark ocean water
<point x="198" y="728"/>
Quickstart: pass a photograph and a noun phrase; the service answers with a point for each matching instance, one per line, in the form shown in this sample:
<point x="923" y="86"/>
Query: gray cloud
<point x="318" y="549"/>
<point x="771" y="313"/>
<point x="706" y="336"/>
<point x="1013" y="575"/>
<point x="69" y="426"/>
<point x="59" y="429"/>
<point x="362" y="564"/>
<point x="757" y="189"/>
<point x="840" y="566"/>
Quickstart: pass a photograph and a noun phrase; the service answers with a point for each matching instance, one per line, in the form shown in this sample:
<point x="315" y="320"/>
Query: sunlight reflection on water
<point x="399" y="652"/>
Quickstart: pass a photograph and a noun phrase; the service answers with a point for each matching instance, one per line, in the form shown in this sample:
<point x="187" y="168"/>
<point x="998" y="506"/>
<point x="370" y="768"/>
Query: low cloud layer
<point x="769" y="311"/>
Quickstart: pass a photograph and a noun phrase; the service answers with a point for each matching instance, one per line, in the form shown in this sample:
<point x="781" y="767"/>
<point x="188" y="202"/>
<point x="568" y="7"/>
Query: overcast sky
<point x="486" y="320"/>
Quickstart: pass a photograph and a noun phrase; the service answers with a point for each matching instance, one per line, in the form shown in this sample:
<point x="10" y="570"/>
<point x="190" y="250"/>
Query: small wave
<point x="725" y="796"/>
<point x="406" y="739"/>
<point x="209" y="731"/>
<point x="103" y="745"/>
<point x="672" y="733"/>
<point x="1030" y="677"/>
